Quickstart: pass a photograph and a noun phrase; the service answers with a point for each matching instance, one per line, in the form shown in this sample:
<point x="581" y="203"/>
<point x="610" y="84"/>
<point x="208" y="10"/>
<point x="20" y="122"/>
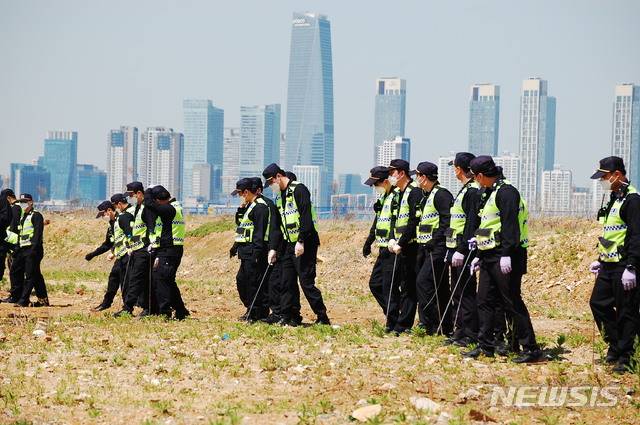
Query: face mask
<point x="380" y="190"/>
<point x="393" y="180"/>
<point x="24" y="206"/>
<point x="106" y="218"/>
<point x="275" y="187"/>
<point x="606" y="184"/>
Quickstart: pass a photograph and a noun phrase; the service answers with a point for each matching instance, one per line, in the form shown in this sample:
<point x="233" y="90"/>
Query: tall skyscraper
<point x="231" y="161"/>
<point x="484" y="119"/>
<point x="397" y="148"/>
<point x="122" y="158"/>
<point x="626" y="128"/>
<point x="310" y="99"/>
<point x="310" y="176"/>
<point x="160" y="159"/>
<point x="510" y="164"/>
<point x="203" y="142"/>
<point x="391" y="103"/>
<point x="92" y="183"/>
<point x="32" y="179"/>
<point x="557" y="190"/>
<point x="537" y="137"/>
<point x="259" y="138"/>
<point x="60" y="159"/>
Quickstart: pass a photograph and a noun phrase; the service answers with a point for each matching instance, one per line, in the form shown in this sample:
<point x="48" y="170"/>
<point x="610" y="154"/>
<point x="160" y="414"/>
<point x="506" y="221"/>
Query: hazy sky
<point x="92" y="66"/>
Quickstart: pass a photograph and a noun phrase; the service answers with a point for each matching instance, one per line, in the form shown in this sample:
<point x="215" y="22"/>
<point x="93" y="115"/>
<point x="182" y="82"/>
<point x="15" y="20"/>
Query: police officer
<point x="299" y="230"/>
<point x="614" y="300"/>
<point x="25" y="268"/>
<point x="463" y="224"/>
<point x="7" y="198"/>
<point x="502" y="241"/>
<point x="167" y="248"/>
<point x="252" y="236"/>
<point x="380" y="233"/>
<point x="118" y="231"/>
<point x="403" y="244"/>
<point x="143" y="223"/>
<point x="432" y="282"/>
<point x="13" y="214"/>
<point x="276" y="250"/>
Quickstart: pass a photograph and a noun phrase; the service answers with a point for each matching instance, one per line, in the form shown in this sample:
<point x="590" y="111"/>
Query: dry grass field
<point x="91" y="368"/>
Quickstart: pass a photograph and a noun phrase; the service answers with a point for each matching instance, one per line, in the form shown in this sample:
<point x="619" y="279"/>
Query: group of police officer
<point x="432" y="245"/>
<point x="145" y="239"/>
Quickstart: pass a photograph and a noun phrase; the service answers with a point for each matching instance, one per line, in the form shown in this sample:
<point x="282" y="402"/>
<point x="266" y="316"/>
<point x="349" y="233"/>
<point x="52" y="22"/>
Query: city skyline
<point x="437" y="112"/>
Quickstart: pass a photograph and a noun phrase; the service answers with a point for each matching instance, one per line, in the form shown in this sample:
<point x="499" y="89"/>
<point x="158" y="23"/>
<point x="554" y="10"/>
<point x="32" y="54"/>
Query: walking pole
<point x="393" y="276"/>
<point x="454" y="291"/>
<point x="436" y="284"/>
<point x="124" y="280"/>
<point x="258" y="291"/>
<point x="455" y="321"/>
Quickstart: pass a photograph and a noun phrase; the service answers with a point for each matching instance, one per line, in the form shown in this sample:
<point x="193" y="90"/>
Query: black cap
<point x="119" y="197"/>
<point x="463" y="160"/>
<point x="242" y="184"/>
<point x="7" y="192"/>
<point x="427" y="168"/>
<point x="24" y="197"/>
<point x="608" y="165"/>
<point x="256" y="183"/>
<point x="291" y="176"/>
<point x="159" y="192"/>
<point x="399" y="164"/>
<point x="484" y="164"/>
<point x="377" y="174"/>
<point x="135" y="187"/>
<point x="104" y="205"/>
<point x="271" y="171"/>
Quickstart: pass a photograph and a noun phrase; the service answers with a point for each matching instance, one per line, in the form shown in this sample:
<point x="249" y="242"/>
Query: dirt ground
<point x="66" y="364"/>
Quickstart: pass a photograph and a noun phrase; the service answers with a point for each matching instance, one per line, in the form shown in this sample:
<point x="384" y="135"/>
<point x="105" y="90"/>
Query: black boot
<point x="123" y="313"/>
<point x="612" y="356"/>
<point x="101" y="307"/>
<point x="322" y="319"/>
<point x="477" y="352"/>
<point x="529" y="356"/>
<point x="182" y="314"/>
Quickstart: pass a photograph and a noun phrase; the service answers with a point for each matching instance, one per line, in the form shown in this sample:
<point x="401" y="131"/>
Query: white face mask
<point x="380" y="190"/>
<point x="393" y="180"/>
<point x="106" y="217"/>
<point x="606" y="184"/>
<point x="275" y="187"/>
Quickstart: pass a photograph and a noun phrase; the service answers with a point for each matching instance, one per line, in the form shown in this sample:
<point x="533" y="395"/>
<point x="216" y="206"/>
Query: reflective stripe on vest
<point x="383" y="221"/>
<point x="429" y="218"/>
<point x="403" y="213"/>
<point x="139" y="230"/>
<point x="178" y="228"/>
<point x="26" y="230"/>
<point x="13" y="237"/>
<point x="244" y="232"/>
<point x="490" y="224"/>
<point x="458" y="216"/>
<point x="290" y="215"/>
<point x="119" y="240"/>
<point x="614" y="232"/>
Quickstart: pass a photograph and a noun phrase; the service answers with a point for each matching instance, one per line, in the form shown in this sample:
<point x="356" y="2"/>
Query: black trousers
<point x="139" y="270"/>
<point x="118" y="278"/>
<point x="253" y="266"/>
<point x="376" y="281"/>
<point x="433" y="291"/>
<point x="275" y="291"/>
<point x="301" y="269"/>
<point x="408" y="295"/>
<point x="26" y="275"/>
<point x="615" y="310"/>
<point x="167" y="293"/>
<point x="463" y="307"/>
<point x="391" y="280"/>
<point x="496" y="288"/>
<point x="4" y="250"/>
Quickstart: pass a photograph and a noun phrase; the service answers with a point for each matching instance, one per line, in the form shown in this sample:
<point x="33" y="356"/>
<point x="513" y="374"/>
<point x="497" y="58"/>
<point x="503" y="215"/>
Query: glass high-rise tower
<point x="391" y="101"/>
<point x="626" y="129"/>
<point x="60" y="159"/>
<point x="259" y="138"/>
<point x="484" y="118"/>
<point x="309" y="138"/>
<point x="203" y="142"/>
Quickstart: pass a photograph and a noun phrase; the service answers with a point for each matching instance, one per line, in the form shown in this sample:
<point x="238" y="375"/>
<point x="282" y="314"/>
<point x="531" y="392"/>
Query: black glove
<point x="233" y="251"/>
<point x="89" y="256"/>
<point x="377" y="206"/>
<point x="366" y="249"/>
<point x="240" y="213"/>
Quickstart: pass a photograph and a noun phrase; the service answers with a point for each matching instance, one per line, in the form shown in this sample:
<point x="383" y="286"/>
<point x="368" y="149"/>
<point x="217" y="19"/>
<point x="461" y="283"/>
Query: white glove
<point x="110" y="256"/>
<point x="271" y="256"/>
<point x="475" y="265"/>
<point x="457" y="259"/>
<point x="505" y="265"/>
<point x="394" y="248"/>
<point x="628" y="279"/>
<point x="473" y="244"/>
<point x="299" y="250"/>
<point x="595" y="267"/>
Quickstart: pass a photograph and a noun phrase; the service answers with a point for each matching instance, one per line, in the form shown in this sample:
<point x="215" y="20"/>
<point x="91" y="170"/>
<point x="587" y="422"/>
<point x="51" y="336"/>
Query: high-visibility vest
<point x="244" y="232"/>
<point x="458" y="216"/>
<point x="178" y="228"/>
<point x="289" y="213"/>
<point x="12" y="237"/>
<point x="614" y="231"/>
<point x="120" y="242"/>
<point x="429" y="218"/>
<point x="383" y="220"/>
<point x="404" y="211"/>
<point x="26" y="230"/>
<point x="487" y="235"/>
<point x="139" y="230"/>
